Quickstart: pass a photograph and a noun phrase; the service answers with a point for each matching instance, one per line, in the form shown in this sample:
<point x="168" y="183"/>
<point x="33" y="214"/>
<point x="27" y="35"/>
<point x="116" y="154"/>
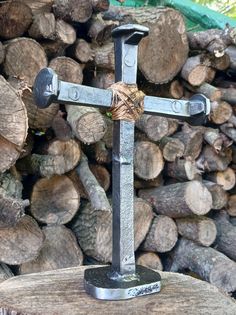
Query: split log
<point x="211" y="161"/>
<point x="13" y="125"/>
<point x="43" y="26"/>
<point x="60" y="250"/>
<point x="207" y="262"/>
<point x="226" y="235"/>
<point x="15" y="19"/>
<point x="81" y="51"/>
<point x="95" y="192"/>
<point x="171" y="148"/>
<point x="201" y="230"/>
<point x="161" y="22"/>
<point x="59" y="158"/>
<point x="67" y="69"/>
<point x="5" y="272"/>
<point x="73" y="10"/>
<point x="2" y="53"/>
<point x="24" y="59"/>
<point x="231" y="206"/>
<point x="192" y="139"/>
<point x="39" y="6"/>
<point x="21" y="243"/>
<point x="62" y="292"/>
<point x="219" y="195"/>
<point x="37" y="118"/>
<point x="156" y="127"/>
<point x="229" y="130"/>
<point x="162" y="235"/>
<point x="220" y="112"/>
<point x="179" y="200"/>
<point x="224" y="178"/>
<point x="213" y="40"/>
<point x="150" y="260"/>
<point x="182" y="169"/>
<point x="54" y="200"/>
<point x="148" y="160"/>
<point x="93" y="229"/>
<point x="194" y="71"/>
<point x="229" y="95"/>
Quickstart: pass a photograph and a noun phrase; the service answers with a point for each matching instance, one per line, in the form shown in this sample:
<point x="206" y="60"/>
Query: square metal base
<point x="100" y="286"/>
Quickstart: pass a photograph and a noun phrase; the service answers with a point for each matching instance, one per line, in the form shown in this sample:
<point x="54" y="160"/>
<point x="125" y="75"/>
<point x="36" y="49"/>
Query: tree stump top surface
<point x="61" y="292"/>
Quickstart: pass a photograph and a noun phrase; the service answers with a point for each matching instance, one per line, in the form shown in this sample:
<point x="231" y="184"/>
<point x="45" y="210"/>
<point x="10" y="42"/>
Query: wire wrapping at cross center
<point x="127" y="102"/>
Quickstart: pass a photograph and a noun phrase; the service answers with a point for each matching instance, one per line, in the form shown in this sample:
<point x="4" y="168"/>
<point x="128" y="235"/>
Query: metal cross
<point x="123" y="279"/>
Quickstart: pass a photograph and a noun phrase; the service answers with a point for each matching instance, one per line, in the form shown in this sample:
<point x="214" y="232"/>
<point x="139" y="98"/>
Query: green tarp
<point x="197" y="17"/>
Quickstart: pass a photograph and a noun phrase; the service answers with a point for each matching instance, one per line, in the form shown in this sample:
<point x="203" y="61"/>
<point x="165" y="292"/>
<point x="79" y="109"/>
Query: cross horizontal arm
<point x="48" y="89"/>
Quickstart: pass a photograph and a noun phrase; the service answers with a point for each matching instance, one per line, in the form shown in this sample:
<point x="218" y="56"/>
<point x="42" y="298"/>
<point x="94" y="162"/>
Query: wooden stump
<point x="179" y="200"/>
<point x="24" y="59"/>
<point x="60" y="250"/>
<point x="54" y="200"/>
<point x="62" y="292"/>
<point x="13" y="125"/>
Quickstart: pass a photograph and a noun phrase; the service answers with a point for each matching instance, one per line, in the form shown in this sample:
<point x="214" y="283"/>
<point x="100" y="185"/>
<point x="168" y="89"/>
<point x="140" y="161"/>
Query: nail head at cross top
<point x="133" y="33"/>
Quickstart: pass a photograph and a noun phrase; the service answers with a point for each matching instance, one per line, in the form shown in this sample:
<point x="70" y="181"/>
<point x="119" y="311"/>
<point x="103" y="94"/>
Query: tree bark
<point x="60" y="250"/>
<point x="182" y="170"/>
<point x="201" y="230"/>
<point x="2" y="53"/>
<point x="219" y="195"/>
<point x="54" y="200"/>
<point x="208" y="263"/>
<point x="162" y="235"/>
<point x="179" y="200"/>
<point x="93" y="229"/>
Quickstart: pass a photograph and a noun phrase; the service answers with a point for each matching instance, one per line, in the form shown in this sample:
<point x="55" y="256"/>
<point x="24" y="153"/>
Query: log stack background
<point x="55" y="180"/>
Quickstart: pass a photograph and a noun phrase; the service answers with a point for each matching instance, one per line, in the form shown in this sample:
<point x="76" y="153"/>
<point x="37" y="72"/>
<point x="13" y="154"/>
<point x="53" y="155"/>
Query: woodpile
<point x="55" y="167"/>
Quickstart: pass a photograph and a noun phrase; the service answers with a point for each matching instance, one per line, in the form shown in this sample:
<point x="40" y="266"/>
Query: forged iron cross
<point x="123" y="279"/>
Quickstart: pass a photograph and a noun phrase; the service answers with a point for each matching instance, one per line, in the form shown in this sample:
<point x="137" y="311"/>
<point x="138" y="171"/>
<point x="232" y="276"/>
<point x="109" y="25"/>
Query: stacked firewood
<point x="55" y="169"/>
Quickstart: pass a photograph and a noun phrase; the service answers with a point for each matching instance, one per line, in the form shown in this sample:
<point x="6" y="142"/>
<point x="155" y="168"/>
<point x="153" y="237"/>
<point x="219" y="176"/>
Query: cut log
<point x="171" y="148"/>
<point x="194" y="71"/>
<point x="229" y="130"/>
<point x="53" y="48"/>
<point x="201" y="230"/>
<point x="73" y="10"/>
<point x="15" y="18"/>
<point x="211" y="73"/>
<point x="13" y="125"/>
<point x="207" y="262"/>
<point x="211" y="92"/>
<point x="182" y="169"/>
<point x="99" y="30"/>
<point x="156" y="127"/>
<point x="67" y="69"/>
<point x="231" y="206"/>
<point x="211" y="161"/>
<point x="24" y="59"/>
<point x="162" y="235"/>
<point x="95" y="192"/>
<point x="87" y="123"/>
<point x="220" y="112"/>
<point x="37" y="118"/>
<point x="229" y="95"/>
<point x="2" y="53"/>
<point x="101" y="153"/>
<point x="219" y="195"/>
<point x="93" y="229"/>
<point x="82" y="51"/>
<point x="226" y="235"/>
<point x="60" y="157"/>
<point x="220" y="63"/>
<point x="167" y="30"/>
<point x="173" y="89"/>
<point x="224" y="178"/>
<point x="148" y="160"/>
<point x="150" y="260"/>
<point x="54" y="200"/>
<point x="61" y="127"/>
<point x="141" y="184"/>
<point x="39" y="6"/>
<point x="192" y="139"/>
<point x="103" y="79"/>
<point x="43" y="26"/>
<point x="21" y="243"/>
<point x="60" y="250"/>
<point x="100" y="5"/>
<point x="65" y="33"/>
<point x="231" y="52"/>
<point x="62" y="292"/>
<point x="11" y="185"/>
<point x="104" y="56"/>
<point x="5" y="272"/>
<point x="214" y="138"/>
<point x="179" y="200"/>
